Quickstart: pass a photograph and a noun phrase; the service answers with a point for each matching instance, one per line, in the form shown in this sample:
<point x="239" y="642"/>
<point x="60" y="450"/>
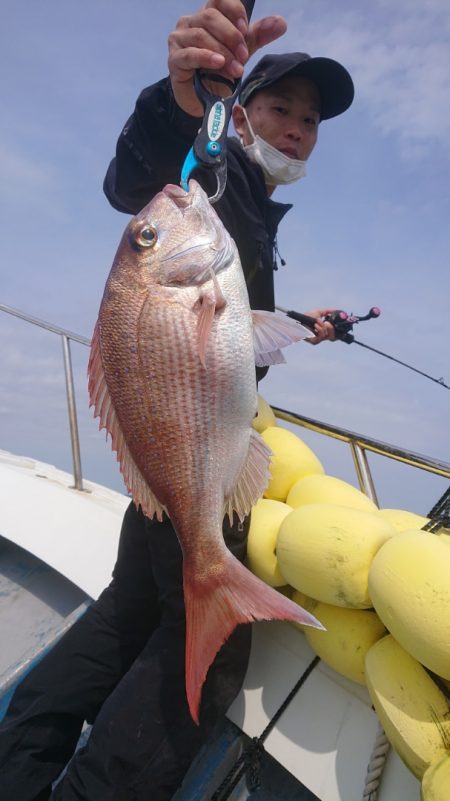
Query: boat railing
<point x="66" y="338"/>
<point x="359" y="445"/>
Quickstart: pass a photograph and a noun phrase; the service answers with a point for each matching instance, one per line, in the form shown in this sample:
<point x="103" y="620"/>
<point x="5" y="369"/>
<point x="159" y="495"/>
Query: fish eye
<point x="147" y="237"/>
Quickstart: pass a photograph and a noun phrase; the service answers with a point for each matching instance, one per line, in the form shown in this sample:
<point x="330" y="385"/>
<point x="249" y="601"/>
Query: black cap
<point x="334" y="83"/>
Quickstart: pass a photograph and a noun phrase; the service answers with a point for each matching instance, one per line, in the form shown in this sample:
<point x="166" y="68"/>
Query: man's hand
<point x="217" y="38"/>
<point x="324" y="331"/>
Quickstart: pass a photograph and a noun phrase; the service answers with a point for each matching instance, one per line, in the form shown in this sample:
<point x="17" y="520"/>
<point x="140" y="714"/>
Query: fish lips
<point x="178" y="196"/>
<point x="182" y="199"/>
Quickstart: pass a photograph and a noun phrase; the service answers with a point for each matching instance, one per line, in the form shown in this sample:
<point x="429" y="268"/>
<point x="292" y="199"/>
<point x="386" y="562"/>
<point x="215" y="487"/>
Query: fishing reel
<point x="343" y="322"/>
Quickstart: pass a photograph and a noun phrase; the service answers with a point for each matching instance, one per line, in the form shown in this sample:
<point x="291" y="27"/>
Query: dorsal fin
<point x="100" y="399"/>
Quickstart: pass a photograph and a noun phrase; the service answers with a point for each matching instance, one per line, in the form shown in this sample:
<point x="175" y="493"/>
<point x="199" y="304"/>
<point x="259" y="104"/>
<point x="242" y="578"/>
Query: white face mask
<point x="276" y="166"/>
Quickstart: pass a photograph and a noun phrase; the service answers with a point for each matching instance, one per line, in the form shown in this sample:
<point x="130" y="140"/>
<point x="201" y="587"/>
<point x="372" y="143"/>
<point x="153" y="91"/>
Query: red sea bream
<point x="172" y="378"/>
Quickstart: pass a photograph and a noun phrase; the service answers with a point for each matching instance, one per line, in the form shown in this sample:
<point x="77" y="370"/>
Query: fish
<point x="172" y="379"/>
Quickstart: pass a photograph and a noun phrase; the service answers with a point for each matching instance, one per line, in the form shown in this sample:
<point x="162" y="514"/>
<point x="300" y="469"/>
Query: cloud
<point x="398" y="55"/>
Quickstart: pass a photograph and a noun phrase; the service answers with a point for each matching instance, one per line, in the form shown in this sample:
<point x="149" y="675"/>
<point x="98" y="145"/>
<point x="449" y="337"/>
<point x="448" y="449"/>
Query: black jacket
<point x="150" y="152"/>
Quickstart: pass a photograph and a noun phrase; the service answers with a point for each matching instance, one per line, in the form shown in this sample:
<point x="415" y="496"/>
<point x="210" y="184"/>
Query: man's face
<point x="286" y="115"/>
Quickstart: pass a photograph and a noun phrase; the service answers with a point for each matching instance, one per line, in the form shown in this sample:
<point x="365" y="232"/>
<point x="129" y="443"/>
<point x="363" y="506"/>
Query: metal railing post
<point x="363" y="473"/>
<point x="71" y="405"/>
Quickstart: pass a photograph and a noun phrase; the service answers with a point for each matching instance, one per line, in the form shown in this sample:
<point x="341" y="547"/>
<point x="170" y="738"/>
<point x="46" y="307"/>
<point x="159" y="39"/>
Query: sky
<point x="370" y="224"/>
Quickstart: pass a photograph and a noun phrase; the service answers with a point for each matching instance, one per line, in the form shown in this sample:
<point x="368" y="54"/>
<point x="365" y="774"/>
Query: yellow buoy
<point x="302" y="600"/>
<point x="265" y="521"/>
<point x="265" y="416"/>
<point x="325" y="551"/>
<point x="402" y="520"/>
<point x="349" y="635"/>
<point x="292" y="459"/>
<point x="436" y="781"/>
<point x="328" y="489"/>
<point x="409" y="584"/>
<point x="305" y="602"/>
<point x="413" y="711"/>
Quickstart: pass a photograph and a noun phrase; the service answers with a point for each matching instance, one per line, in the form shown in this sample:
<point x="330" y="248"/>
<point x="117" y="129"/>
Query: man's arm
<point x="150" y="150"/>
<point x="156" y="138"/>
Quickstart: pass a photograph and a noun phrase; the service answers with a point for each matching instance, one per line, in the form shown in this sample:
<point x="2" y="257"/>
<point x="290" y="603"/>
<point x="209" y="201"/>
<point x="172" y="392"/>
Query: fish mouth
<point x="178" y="196"/>
<point x="212" y="239"/>
<point x="184" y="200"/>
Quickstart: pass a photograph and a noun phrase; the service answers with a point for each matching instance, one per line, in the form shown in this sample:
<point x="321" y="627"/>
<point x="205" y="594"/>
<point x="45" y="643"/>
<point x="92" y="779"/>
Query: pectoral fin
<point x="204" y="324"/>
<point x="271" y="332"/>
<point x="209" y="302"/>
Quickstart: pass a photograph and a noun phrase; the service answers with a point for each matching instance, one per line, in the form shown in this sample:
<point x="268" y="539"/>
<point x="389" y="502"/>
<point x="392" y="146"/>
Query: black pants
<point x="121" y="667"/>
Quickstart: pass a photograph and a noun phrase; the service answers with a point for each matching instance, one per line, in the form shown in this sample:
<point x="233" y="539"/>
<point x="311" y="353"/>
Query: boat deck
<point x="59" y="555"/>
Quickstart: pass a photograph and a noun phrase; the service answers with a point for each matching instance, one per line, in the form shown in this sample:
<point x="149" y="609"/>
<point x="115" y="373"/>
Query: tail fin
<point x="214" y="609"/>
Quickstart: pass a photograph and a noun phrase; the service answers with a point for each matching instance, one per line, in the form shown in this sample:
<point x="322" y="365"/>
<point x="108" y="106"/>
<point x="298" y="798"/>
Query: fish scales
<point x="173" y="363"/>
<point x="190" y="410"/>
<point x="194" y="409"/>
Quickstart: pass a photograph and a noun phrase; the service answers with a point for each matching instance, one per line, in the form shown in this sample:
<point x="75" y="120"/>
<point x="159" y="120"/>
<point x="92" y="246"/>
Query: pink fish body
<point x="172" y="378"/>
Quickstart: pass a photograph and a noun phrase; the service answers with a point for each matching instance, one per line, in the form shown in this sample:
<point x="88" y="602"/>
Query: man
<point x="122" y="665"/>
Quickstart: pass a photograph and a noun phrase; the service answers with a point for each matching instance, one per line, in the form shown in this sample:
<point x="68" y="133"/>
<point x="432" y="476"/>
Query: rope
<point x="249" y="763"/>
<point x="288" y="699"/>
<point x="376" y="765"/>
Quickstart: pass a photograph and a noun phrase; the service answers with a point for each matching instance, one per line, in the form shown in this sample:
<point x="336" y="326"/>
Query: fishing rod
<point x="343" y="324"/>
